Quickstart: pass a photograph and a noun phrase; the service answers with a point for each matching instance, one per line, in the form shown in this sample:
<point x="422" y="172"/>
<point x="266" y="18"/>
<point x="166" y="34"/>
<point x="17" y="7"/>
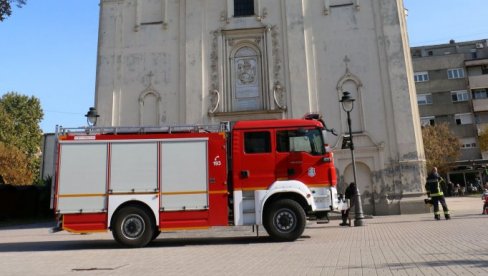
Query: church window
<point x="243" y="8"/>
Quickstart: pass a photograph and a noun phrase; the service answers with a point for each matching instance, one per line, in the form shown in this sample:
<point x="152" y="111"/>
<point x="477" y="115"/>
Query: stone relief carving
<point x="214" y="101"/>
<point x="278" y="88"/>
<point x="263" y="15"/>
<point x="246" y="71"/>
<point x="214" y="73"/>
<point x="275" y="51"/>
<point x="223" y="17"/>
<point x="278" y="95"/>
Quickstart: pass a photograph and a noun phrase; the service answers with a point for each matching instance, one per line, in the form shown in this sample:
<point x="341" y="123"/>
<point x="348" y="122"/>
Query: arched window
<point x="243" y="7"/>
<point x="149" y="107"/>
<point x="246" y="79"/>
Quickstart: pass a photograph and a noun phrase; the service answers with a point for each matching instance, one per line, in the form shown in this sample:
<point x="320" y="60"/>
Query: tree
<point x="483" y="138"/>
<point x="6" y="7"/>
<point x="14" y="166"/>
<point x="441" y="146"/>
<point x="20" y="116"/>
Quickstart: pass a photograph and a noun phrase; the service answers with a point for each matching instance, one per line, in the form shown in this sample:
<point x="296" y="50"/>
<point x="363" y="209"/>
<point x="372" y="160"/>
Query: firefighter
<point x="350" y="195"/>
<point x="434" y="190"/>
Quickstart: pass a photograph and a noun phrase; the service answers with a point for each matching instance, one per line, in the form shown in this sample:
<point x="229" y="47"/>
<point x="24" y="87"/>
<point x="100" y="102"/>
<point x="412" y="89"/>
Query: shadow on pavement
<point x="111" y="244"/>
<point x="471" y="263"/>
<point x="7" y="225"/>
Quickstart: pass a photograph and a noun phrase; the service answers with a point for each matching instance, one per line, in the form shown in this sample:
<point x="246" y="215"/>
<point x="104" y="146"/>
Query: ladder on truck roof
<point x="90" y="130"/>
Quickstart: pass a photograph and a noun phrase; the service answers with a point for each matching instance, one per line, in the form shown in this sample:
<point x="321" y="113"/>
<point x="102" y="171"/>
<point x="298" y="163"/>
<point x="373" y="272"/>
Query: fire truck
<point x="138" y="182"/>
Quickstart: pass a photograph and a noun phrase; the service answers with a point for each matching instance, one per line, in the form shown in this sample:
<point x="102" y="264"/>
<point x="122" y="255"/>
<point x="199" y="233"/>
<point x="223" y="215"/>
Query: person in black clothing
<point x="435" y="191"/>
<point x="350" y="193"/>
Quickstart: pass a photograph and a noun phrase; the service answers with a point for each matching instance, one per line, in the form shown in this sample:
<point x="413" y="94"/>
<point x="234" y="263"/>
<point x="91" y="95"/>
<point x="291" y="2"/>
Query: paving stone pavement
<point x="387" y="245"/>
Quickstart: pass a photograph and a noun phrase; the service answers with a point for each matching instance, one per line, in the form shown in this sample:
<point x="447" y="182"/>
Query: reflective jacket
<point x="433" y="185"/>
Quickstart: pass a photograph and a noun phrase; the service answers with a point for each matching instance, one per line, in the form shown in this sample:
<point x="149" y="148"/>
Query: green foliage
<point x="441" y="146"/>
<point x="6" y="7"/>
<point x="20" y="116"/>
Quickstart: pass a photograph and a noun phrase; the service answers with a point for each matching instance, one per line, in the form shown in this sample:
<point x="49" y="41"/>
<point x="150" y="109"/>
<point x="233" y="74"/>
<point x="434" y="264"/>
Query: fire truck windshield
<point x="302" y="140"/>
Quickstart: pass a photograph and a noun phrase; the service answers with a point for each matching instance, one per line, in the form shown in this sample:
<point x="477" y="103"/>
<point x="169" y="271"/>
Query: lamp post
<point x="92" y="116"/>
<point x="347" y="103"/>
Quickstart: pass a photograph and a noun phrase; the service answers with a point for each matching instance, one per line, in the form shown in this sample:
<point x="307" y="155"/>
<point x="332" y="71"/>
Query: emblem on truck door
<point x="217" y="161"/>
<point x="311" y="172"/>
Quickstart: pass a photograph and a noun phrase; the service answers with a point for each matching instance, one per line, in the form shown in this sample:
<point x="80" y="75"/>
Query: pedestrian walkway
<point x="386" y="245"/>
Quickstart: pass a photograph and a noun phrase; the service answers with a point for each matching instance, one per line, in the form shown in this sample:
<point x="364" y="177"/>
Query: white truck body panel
<point x="184" y="175"/>
<point x="134" y="167"/>
<point x="82" y="172"/>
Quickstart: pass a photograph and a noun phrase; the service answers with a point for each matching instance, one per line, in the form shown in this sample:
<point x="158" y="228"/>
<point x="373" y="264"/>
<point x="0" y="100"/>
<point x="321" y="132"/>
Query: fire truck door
<point x="300" y="156"/>
<point x="254" y="167"/>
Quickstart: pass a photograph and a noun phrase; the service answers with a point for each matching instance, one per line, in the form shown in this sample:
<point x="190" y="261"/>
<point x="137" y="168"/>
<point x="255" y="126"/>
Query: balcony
<point x="480" y="81"/>
<point x="480" y="105"/>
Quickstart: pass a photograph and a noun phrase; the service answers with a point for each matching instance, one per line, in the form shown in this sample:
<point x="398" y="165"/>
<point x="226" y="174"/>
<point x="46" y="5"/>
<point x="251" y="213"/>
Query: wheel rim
<point x="133" y="227"/>
<point x="285" y="220"/>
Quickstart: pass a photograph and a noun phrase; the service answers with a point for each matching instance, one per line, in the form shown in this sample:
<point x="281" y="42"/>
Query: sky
<point x="48" y="48"/>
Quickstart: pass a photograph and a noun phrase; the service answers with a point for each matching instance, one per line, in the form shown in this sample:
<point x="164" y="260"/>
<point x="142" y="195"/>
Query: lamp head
<point x="347" y="101"/>
<point x="92" y="116"/>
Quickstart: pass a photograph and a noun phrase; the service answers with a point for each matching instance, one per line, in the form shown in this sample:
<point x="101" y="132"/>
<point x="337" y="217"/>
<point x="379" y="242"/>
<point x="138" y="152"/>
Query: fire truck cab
<point x="138" y="182"/>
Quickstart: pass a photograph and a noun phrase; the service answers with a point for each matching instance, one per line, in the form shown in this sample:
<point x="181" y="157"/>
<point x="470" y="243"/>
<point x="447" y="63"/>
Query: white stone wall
<point x="166" y="62"/>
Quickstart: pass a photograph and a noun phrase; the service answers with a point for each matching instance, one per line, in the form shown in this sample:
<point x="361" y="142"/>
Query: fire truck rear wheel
<point x="133" y="227"/>
<point x="284" y="220"/>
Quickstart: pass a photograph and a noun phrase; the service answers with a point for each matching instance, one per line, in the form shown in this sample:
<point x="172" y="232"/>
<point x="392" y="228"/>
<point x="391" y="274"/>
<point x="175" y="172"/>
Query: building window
<point x="257" y="142"/>
<point x="480" y="93"/>
<point x="423" y="99"/>
<point x="463" y="119"/>
<point x="243" y="8"/>
<point x="468" y="143"/>
<point x="459" y="96"/>
<point x="484" y="69"/>
<point x="300" y="141"/>
<point x="421" y="76"/>
<point x="456" y="73"/>
<point x="427" y="121"/>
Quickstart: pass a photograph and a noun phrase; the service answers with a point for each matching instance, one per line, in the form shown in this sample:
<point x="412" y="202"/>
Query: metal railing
<point x="221" y="127"/>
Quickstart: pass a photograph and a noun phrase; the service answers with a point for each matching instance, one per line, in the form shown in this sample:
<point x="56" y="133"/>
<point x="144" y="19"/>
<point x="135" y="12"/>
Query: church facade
<point x="164" y="62"/>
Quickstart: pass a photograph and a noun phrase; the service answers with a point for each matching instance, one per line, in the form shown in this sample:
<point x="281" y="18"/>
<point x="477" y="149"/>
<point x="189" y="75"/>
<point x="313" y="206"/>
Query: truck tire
<point x="284" y="220"/>
<point x="133" y="227"/>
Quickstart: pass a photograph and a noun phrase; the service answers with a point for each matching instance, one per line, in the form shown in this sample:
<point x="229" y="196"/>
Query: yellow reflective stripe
<point x="184" y="193"/>
<point x="218" y="192"/>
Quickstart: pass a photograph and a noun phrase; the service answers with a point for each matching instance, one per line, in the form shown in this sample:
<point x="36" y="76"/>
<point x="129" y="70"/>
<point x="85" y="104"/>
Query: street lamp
<point x="347" y="103"/>
<point x="92" y="116"/>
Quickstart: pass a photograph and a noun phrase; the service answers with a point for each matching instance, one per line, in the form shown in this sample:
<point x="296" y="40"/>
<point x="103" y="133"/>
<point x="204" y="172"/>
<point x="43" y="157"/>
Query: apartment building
<point x="452" y="86"/>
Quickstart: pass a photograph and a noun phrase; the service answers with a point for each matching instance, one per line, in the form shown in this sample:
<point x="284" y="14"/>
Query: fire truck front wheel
<point x="133" y="227"/>
<point x="284" y="220"/>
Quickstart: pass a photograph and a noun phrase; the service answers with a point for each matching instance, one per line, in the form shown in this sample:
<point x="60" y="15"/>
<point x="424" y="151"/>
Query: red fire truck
<point x="138" y="182"/>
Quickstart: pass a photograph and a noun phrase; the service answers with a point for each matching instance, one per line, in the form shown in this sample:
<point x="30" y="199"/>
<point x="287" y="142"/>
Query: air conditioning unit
<point x="479" y="45"/>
